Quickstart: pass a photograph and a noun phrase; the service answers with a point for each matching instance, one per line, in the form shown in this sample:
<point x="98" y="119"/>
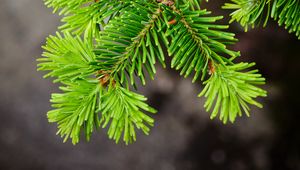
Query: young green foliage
<point x="196" y="39"/>
<point x="75" y="109"/>
<point x="67" y="58"/>
<point x="129" y="44"/>
<point x="287" y="12"/>
<point x="89" y="18"/>
<point x="253" y="12"/>
<point x="198" y="44"/>
<point x="122" y="41"/>
<point x="121" y="108"/>
<point x="230" y="88"/>
<point x="65" y="6"/>
<point x="69" y="61"/>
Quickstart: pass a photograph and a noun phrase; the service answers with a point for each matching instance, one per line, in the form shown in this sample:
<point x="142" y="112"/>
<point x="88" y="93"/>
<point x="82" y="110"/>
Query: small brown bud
<point x="170" y="3"/>
<point x="104" y="77"/>
<point x="173" y="21"/>
<point x="211" y="68"/>
<point x="166" y="2"/>
<point x="104" y="80"/>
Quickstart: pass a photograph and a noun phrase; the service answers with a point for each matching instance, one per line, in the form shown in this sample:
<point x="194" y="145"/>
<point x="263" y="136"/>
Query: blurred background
<point x="183" y="138"/>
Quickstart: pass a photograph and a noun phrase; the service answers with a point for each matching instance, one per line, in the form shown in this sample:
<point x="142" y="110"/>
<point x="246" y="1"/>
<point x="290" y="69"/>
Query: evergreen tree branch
<point x="65" y="6"/>
<point x="121" y="108"/>
<point x="252" y="12"/>
<point x="196" y="39"/>
<point x="128" y="45"/>
<point x="72" y="61"/>
<point x="89" y="18"/>
<point x="287" y="12"/>
<point x="230" y="90"/>
<point x="75" y="109"/>
<point x="249" y="12"/>
<point x="67" y="58"/>
<point x="199" y="45"/>
<point x="131" y="36"/>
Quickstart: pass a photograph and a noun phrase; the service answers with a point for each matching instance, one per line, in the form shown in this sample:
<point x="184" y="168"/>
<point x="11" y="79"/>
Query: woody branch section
<point x="107" y="46"/>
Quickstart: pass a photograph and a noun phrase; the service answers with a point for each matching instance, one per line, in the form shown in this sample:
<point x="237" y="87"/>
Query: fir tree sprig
<point x="253" y="12"/>
<point x="65" y="6"/>
<point x="90" y="18"/>
<point x="198" y="44"/>
<point x="107" y="44"/>
<point x="67" y="57"/>
<point x="121" y="109"/>
<point x="231" y="89"/>
<point x="75" y="109"/>
<point x="196" y="40"/>
<point x="130" y="45"/>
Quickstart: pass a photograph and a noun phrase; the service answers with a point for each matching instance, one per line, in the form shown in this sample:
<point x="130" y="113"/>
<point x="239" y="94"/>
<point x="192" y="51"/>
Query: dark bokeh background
<point x="183" y="137"/>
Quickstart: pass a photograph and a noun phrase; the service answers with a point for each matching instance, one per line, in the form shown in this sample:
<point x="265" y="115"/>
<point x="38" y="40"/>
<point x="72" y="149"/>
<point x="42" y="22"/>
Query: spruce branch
<point x="75" y="109"/>
<point x="71" y="60"/>
<point x="249" y="12"/>
<point x="129" y="44"/>
<point x="67" y="58"/>
<point x="89" y="18"/>
<point x="196" y="40"/>
<point x="230" y="89"/>
<point x="65" y="6"/>
<point x="253" y="12"/>
<point x="107" y="44"/>
<point x="121" y="108"/>
<point x="287" y="12"/>
<point x="198" y="44"/>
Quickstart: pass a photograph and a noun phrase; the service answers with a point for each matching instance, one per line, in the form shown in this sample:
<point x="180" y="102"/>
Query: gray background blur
<point x="183" y="136"/>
